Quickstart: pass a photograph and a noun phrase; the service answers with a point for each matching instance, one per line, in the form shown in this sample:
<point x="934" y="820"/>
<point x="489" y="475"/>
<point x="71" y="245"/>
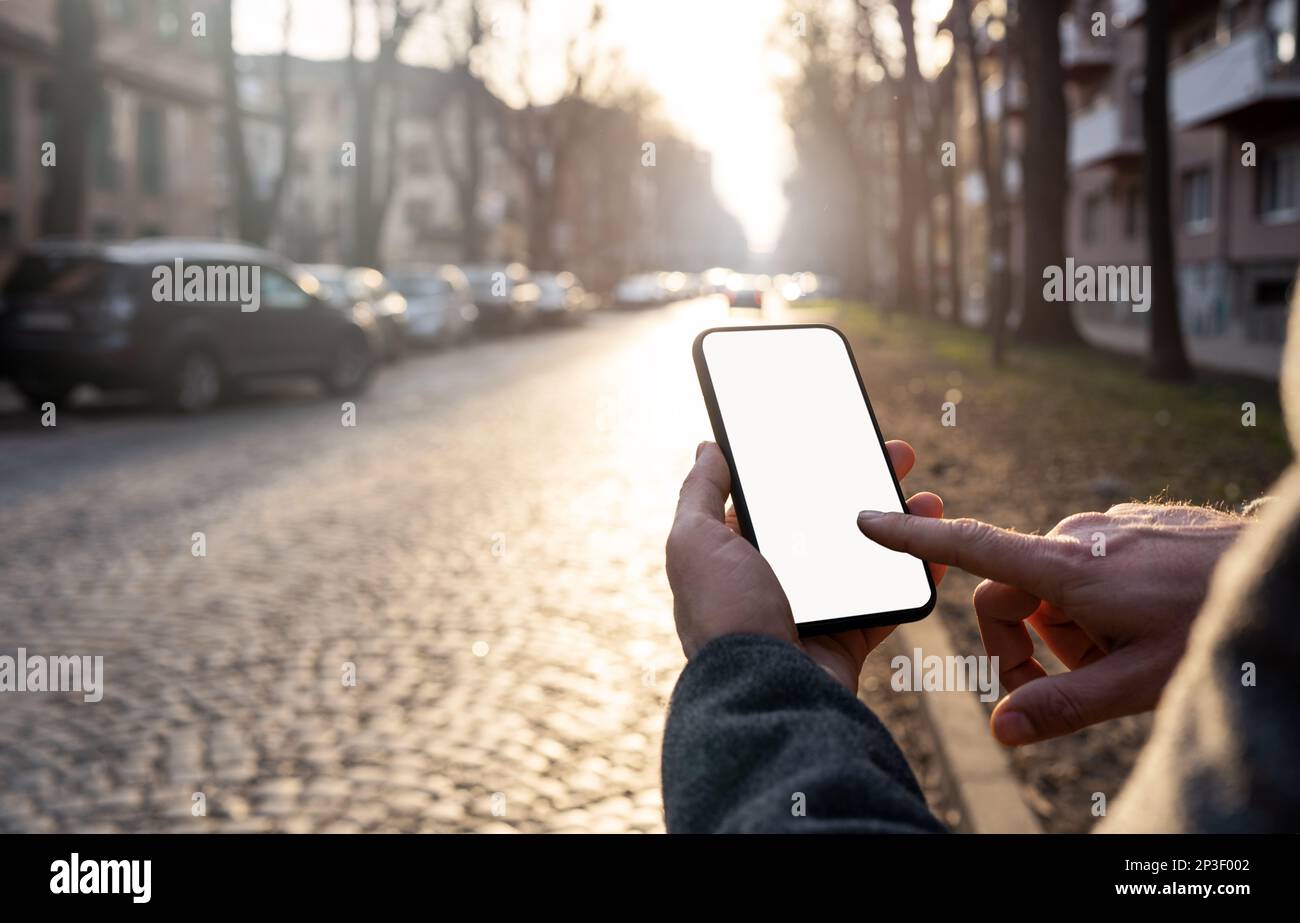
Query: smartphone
<point x="792" y="417"/>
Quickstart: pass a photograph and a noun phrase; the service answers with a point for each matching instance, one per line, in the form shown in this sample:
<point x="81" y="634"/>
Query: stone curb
<point x="977" y="766"/>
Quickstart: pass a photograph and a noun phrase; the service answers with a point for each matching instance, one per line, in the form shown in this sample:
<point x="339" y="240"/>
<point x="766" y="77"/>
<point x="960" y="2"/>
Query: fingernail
<point x="1012" y="728"/>
<point x="700" y="448"/>
<point x="869" y="515"/>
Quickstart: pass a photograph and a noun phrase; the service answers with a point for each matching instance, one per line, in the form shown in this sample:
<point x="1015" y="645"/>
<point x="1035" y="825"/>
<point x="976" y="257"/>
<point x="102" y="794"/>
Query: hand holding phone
<point x="805" y="455"/>
<point x="723" y="586"/>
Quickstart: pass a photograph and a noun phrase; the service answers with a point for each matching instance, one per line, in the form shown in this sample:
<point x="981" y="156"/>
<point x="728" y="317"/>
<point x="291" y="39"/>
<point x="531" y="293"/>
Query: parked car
<point x="561" y="298"/>
<point x="673" y="285"/>
<point x="439" y="307"/>
<point x="640" y="291"/>
<point x="795" y="287"/>
<point x="362" y="284"/>
<point x="714" y="281"/>
<point x="745" y="291"/>
<point x="500" y="308"/>
<point x="125" y="315"/>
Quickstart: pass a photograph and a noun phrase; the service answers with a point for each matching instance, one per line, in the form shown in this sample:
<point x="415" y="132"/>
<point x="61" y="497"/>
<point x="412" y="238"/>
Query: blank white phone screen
<point x="808" y="459"/>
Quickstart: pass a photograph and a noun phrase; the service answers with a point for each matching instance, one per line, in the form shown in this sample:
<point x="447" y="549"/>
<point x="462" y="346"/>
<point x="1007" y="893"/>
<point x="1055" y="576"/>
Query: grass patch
<point x="1084" y="411"/>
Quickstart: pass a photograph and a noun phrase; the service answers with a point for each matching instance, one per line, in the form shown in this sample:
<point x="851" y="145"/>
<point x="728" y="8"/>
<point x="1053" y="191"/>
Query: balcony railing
<point x="1105" y="133"/>
<point x="1226" y="80"/>
<point x="1083" y="56"/>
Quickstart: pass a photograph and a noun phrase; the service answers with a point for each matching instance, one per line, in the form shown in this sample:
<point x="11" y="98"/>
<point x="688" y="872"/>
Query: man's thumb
<point x="1064" y="703"/>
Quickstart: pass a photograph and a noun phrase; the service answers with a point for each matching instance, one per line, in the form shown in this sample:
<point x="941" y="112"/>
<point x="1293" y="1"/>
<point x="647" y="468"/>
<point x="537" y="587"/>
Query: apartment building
<point x="1234" y="88"/>
<point x="421" y="223"/>
<point x="151" y="152"/>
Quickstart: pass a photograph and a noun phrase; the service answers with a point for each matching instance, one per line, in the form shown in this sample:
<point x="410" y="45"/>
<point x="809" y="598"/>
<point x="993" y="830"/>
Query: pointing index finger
<point x="1025" y="561"/>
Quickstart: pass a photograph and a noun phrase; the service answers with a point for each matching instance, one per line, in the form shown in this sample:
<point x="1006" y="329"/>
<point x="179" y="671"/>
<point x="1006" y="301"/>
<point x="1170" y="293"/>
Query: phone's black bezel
<point x="822" y="626"/>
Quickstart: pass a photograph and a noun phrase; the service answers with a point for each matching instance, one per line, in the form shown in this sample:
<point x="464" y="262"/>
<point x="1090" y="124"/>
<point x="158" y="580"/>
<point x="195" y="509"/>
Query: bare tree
<point x="952" y="190"/>
<point x="541" y="137"/>
<point x="393" y="19"/>
<point x="997" y="290"/>
<point x="256" y="215"/>
<point x="1046" y="171"/>
<point x="1168" y="357"/>
<point x="78" y="103"/>
<point x="464" y="166"/>
<point x="834" y="218"/>
<point x="908" y="152"/>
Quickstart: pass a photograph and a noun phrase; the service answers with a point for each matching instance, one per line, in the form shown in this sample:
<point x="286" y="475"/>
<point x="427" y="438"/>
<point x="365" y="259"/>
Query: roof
<point x="156" y="250"/>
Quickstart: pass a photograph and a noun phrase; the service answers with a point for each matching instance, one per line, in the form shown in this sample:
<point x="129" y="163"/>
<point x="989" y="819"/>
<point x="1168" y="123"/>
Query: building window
<point x="1092" y="214"/>
<point x="418" y="215"/>
<point x="1236" y="14"/>
<point x="1277" y="179"/>
<point x="101" y="141"/>
<point x="1272" y="293"/>
<point x="1280" y="19"/>
<point x="1196" y="199"/>
<point x="104" y="229"/>
<point x="6" y="122"/>
<point x="169" y="20"/>
<point x="45" y="108"/>
<point x="122" y="11"/>
<point x="1133" y="206"/>
<point x="418" y="161"/>
<point x="1199" y="36"/>
<point x="150" y="150"/>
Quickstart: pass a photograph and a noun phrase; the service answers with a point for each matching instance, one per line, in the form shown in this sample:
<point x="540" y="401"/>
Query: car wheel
<point x="350" y="366"/>
<point x="194" y="384"/>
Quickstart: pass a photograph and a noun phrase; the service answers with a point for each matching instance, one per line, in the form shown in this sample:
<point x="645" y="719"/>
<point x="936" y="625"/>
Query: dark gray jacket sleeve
<point x="761" y="739"/>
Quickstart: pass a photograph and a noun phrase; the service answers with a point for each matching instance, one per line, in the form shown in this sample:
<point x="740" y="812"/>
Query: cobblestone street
<point x="486" y="546"/>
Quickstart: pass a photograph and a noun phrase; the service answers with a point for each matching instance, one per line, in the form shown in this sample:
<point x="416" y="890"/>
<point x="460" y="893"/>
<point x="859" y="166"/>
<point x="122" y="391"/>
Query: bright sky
<point x="711" y="62"/>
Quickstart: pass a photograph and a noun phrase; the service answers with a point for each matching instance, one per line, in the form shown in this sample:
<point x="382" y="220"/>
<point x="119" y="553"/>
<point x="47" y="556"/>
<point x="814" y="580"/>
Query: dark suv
<point x="176" y="317"/>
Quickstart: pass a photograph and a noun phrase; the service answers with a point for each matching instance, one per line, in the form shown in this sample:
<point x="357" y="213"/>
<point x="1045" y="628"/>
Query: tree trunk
<point x="78" y="98"/>
<point x="1001" y="236"/>
<point x="1046" y="171"/>
<point x="904" y="114"/>
<point x="467" y="191"/>
<point x="384" y="72"/>
<point x="999" y="225"/>
<point x="1168" y="358"/>
<point x="255" y="217"/>
<point x="952" y="190"/>
<point x="365" y="243"/>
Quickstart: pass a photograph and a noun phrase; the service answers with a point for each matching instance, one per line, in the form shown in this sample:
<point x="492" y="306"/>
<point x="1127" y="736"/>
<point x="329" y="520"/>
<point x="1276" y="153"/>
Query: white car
<point x="561" y="297"/>
<point x="640" y="291"/>
<point x="439" y="308"/>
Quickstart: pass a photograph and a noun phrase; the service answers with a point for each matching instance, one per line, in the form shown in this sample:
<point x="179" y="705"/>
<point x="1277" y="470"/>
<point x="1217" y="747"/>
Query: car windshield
<point x="331" y="276"/>
<point x="420" y="285"/>
<point x="59" y="276"/>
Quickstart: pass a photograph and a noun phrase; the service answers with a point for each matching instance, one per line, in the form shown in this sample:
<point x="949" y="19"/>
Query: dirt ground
<point x="1057" y="431"/>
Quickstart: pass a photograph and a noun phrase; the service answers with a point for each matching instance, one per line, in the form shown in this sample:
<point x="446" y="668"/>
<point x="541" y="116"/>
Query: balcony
<point x="1084" y="57"/>
<point x="1104" y="134"/>
<point x="1224" y="82"/>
